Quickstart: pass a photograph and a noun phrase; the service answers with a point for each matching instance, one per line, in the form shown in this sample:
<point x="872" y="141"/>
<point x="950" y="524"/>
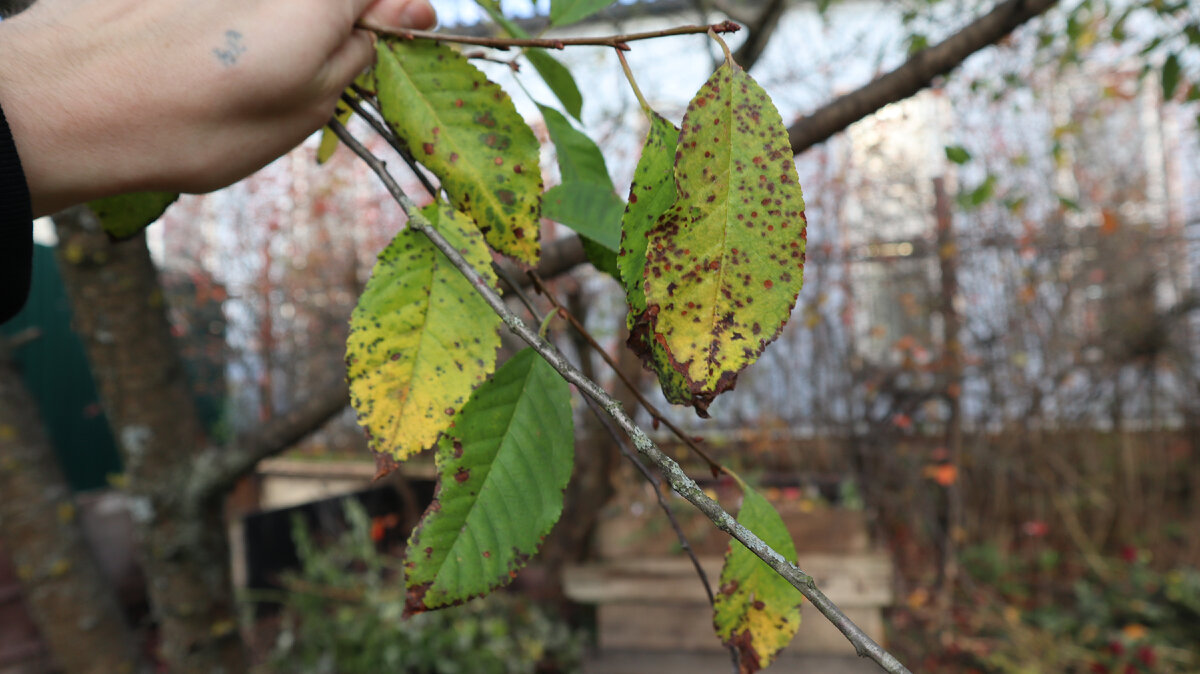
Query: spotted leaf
<point x="467" y="131"/>
<point x="757" y="610"/>
<point x="124" y="215"/>
<point x="329" y="141"/>
<point x="502" y="469"/>
<point x="652" y="193"/>
<point x="725" y="262"/>
<point x="421" y="338"/>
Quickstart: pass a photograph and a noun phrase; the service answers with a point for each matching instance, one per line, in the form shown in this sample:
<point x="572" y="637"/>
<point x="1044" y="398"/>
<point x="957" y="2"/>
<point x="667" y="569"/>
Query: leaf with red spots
<point x="757" y="610"/>
<point x="652" y="193"/>
<point x="502" y="469"/>
<point x="421" y="338"/>
<point x="467" y="131"/>
<point x="124" y="215"/>
<point x="724" y="263"/>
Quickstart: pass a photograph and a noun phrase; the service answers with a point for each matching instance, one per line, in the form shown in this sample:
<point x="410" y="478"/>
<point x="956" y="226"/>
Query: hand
<point x="112" y="96"/>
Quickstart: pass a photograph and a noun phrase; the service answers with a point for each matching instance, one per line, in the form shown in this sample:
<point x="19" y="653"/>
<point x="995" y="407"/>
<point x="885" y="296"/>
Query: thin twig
<point x="481" y="55"/>
<point x="614" y="41"/>
<point x="676" y="477"/>
<point x="656" y="484"/>
<point x="391" y="139"/>
<point x="658" y="416"/>
<point x="515" y="287"/>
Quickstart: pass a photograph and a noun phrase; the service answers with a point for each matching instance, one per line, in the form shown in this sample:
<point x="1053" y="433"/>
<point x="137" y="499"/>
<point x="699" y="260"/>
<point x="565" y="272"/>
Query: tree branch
<point x="676" y="477"/>
<point x="760" y="33"/>
<point x="615" y="41"/>
<point x="915" y="74"/>
<point x="219" y="467"/>
<point x="563" y="255"/>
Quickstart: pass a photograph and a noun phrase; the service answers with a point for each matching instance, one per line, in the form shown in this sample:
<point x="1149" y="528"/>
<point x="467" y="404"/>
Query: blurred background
<point x="981" y="424"/>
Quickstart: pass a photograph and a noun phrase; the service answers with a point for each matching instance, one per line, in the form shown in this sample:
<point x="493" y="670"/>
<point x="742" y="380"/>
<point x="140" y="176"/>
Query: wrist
<point x="55" y="115"/>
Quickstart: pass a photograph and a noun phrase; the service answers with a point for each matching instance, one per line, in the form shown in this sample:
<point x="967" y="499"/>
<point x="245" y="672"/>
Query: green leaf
<point x="554" y="74"/>
<point x="757" y="610"/>
<point x="724" y="264"/>
<point x="1170" y="76"/>
<point x="563" y="12"/>
<point x="601" y="257"/>
<point x="590" y="209"/>
<point x="980" y="195"/>
<point x="329" y="141"/>
<point x="467" y="131"/>
<point x="421" y="338"/>
<point x="124" y="215"/>
<point x="559" y="79"/>
<point x="579" y="159"/>
<point x="957" y="154"/>
<point x="502" y="469"/>
<point x="650" y="195"/>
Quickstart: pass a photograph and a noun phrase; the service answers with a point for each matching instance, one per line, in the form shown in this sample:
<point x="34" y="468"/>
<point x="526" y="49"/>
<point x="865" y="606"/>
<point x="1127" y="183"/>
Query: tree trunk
<point x="65" y="590"/>
<point x="120" y="314"/>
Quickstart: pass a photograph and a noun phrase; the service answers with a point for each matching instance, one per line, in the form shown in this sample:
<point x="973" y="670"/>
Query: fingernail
<point x="417" y="14"/>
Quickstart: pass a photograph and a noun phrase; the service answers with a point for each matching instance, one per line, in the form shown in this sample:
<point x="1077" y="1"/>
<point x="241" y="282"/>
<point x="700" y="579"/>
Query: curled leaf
<point x="725" y="263"/>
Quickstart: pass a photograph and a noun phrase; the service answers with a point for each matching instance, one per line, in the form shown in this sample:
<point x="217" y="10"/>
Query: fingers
<point x="389" y="15"/>
<point x="354" y="56"/>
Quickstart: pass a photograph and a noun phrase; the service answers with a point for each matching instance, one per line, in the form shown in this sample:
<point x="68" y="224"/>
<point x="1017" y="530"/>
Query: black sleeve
<point x="16" y="236"/>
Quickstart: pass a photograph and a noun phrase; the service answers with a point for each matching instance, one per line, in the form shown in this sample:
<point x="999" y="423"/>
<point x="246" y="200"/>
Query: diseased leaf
<point x="652" y="193"/>
<point x="563" y="12"/>
<point x="725" y="263"/>
<point x="124" y="215"/>
<point x="466" y="130"/>
<point x="502" y="469"/>
<point x="579" y="159"/>
<point x="421" y="338"/>
<point x="756" y="609"/>
<point x="592" y="210"/>
<point x="559" y="79"/>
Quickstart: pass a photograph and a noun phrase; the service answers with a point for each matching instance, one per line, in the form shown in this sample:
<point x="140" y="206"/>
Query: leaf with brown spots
<point x="724" y="264"/>
<point x="652" y="193"/>
<point x="757" y="610"/>
<point x="421" y="338"/>
<point x="502" y="469"/>
<point x="467" y="131"/>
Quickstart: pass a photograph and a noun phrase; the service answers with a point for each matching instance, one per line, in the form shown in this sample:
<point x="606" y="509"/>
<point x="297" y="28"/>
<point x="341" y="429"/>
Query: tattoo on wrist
<point x="233" y="49"/>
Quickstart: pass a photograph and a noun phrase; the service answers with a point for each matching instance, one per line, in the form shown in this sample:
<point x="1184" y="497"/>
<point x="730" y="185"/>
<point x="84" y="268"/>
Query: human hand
<point x="112" y="96"/>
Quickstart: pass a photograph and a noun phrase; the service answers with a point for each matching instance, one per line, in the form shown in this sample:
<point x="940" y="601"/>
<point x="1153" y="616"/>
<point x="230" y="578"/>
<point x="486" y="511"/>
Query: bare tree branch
<point x="760" y="33"/>
<point x="563" y="255"/>
<point x="680" y="482"/>
<point x="219" y="467"/>
<point x="915" y="74"/>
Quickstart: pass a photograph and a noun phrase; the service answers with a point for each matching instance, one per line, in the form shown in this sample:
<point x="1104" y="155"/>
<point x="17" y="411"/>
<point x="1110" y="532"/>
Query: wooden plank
<point x="830" y="531"/>
<point x="688" y="627"/>
<point x="849" y="580"/>
<point x="644" y="662"/>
